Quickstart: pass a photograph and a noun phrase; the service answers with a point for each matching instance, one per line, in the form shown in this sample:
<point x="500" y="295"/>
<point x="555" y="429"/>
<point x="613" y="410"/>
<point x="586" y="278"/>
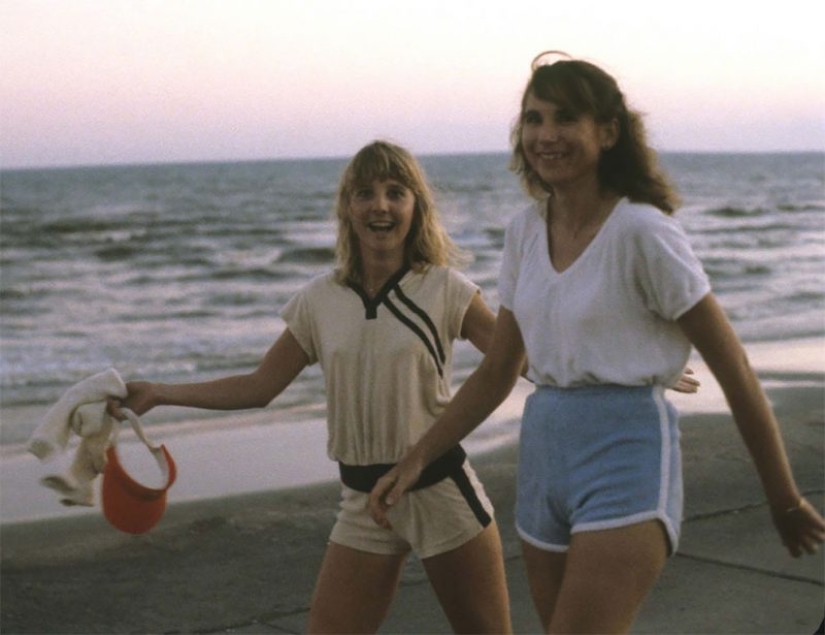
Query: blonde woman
<point x="382" y="326"/>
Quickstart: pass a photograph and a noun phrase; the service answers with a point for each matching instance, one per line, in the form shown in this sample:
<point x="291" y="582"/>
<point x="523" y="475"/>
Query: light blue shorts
<point x="597" y="457"/>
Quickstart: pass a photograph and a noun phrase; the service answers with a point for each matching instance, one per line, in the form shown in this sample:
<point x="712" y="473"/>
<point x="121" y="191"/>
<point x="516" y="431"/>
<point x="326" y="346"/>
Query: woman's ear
<point x="610" y="134"/>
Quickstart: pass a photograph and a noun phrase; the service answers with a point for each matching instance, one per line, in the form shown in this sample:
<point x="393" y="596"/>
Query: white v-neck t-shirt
<point x="609" y="318"/>
<point x="386" y="361"/>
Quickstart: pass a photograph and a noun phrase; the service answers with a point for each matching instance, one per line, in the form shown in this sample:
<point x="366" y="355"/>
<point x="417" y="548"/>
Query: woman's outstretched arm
<point x="280" y="366"/>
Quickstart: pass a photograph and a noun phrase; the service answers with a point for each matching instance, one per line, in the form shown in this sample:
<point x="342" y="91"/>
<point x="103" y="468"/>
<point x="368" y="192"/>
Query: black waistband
<point x="362" y="478"/>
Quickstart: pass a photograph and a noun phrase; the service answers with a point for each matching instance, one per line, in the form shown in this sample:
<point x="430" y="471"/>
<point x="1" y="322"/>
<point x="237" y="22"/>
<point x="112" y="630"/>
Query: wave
<point x="323" y="255"/>
<point x="736" y="212"/>
<point x="806" y="207"/>
<point x="722" y="269"/>
<point x="78" y="225"/>
<point x="248" y="275"/>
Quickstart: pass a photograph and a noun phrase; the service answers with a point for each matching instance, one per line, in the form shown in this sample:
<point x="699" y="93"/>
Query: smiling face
<point x="381" y="214"/>
<point x="562" y="147"/>
<point x="385" y="207"/>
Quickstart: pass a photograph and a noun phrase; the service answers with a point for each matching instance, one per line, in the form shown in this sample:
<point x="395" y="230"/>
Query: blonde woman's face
<point x="381" y="213"/>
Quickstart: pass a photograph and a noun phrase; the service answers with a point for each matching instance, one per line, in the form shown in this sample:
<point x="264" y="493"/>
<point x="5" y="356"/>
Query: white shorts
<point x="428" y="521"/>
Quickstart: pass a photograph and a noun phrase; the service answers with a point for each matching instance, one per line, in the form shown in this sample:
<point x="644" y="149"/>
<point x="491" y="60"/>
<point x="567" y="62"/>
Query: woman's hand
<point x="140" y="399"/>
<point x="686" y="383"/>
<point x="391" y="487"/>
<point x="801" y="528"/>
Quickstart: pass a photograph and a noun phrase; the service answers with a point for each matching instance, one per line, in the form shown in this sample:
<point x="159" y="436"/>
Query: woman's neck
<point x="580" y="209"/>
<point x="376" y="271"/>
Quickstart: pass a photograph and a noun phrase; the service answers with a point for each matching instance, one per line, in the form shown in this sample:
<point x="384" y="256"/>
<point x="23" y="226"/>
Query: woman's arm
<point x="280" y="366"/>
<point x="481" y="394"/>
<point x="708" y="328"/>
<point x="479" y="324"/>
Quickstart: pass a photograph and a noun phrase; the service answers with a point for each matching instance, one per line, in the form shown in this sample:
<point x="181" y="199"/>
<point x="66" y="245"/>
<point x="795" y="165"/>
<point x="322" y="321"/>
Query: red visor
<point x="128" y="505"/>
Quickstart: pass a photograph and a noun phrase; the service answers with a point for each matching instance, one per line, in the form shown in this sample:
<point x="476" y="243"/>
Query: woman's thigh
<point x="545" y="573"/>
<point x="354" y="590"/>
<point x="606" y="576"/>
<point x="471" y="585"/>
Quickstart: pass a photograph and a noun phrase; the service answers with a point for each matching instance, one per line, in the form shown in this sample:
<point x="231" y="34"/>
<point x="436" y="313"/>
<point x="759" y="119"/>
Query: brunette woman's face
<point x="562" y="147"/>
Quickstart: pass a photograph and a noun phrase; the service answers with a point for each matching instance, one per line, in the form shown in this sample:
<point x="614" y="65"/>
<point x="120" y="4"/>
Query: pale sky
<point x="87" y="82"/>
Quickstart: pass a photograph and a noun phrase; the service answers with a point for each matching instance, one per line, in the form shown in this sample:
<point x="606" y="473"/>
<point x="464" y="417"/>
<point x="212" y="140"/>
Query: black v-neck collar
<point x="371" y="304"/>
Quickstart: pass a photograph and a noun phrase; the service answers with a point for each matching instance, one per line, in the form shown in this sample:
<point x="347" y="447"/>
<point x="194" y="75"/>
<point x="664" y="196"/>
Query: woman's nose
<point x="549" y="131"/>
<point x="381" y="202"/>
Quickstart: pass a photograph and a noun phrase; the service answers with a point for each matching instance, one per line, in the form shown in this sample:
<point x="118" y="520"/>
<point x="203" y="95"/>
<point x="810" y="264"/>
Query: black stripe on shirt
<point x="371" y="304"/>
<point x="425" y="318"/>
<point x="421" y="334"/>
<point x="432" y="342"/>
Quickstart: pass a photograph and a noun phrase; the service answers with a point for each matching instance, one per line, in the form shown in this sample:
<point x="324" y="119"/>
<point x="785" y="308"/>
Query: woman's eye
<point x="397" y="193"/>
<point x="362" y="194"/>
<point x="564" y="116"/>
<point x="531" y="117"/>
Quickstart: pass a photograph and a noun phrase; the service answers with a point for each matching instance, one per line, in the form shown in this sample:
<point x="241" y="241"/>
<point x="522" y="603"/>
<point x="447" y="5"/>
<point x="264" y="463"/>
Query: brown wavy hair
<point x="427" y="243"/>
<point x="630" y="167"/>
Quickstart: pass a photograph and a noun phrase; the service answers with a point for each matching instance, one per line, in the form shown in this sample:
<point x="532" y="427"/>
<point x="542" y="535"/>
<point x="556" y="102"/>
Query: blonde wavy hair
<point x="629" y="168"/>
<point x="427" y="242"/>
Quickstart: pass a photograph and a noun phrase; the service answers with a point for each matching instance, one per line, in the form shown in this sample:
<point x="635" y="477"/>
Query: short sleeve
<point x="672" y="277"/>
<point x="298" y="317"/>
<point x="461" y="293"/>
<point x="510" y="262"/>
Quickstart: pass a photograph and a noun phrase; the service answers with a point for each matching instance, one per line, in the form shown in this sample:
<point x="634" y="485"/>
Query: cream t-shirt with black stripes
<point x="386" y="361"/>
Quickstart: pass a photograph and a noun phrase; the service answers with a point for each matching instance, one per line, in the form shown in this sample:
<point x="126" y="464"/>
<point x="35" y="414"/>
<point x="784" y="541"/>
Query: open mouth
<point x="381" y="226"/>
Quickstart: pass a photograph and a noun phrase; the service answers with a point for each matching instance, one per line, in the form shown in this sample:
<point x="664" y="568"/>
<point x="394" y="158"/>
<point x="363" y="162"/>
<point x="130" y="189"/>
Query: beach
<point x="246" y="562"/>
<point x="176" y="273"/>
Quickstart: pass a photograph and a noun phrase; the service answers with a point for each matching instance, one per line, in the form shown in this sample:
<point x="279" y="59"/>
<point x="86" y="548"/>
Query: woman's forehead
<point x="369" y="180"/>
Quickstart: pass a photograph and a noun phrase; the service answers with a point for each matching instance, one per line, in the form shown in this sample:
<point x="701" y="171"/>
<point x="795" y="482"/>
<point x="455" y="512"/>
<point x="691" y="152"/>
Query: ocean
<point x="178" y="272"/>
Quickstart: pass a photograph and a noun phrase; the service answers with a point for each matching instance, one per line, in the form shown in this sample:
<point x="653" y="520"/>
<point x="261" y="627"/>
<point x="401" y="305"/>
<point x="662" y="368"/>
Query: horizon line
<point x="295" y="159"/>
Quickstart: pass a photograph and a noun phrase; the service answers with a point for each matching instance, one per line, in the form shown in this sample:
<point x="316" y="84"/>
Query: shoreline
<point x="277" y="449"/>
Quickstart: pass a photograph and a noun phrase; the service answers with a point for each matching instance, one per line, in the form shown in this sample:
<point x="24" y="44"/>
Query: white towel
<point x="53" y="432"/>
<point x="82" y="410"/>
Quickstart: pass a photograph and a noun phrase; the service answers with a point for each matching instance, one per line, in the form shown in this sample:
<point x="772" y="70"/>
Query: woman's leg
<point x="545" y="572"/>
<point x="606" y="576"/>
<point x="354" y="590"/>
<point x="471" y="586"/>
